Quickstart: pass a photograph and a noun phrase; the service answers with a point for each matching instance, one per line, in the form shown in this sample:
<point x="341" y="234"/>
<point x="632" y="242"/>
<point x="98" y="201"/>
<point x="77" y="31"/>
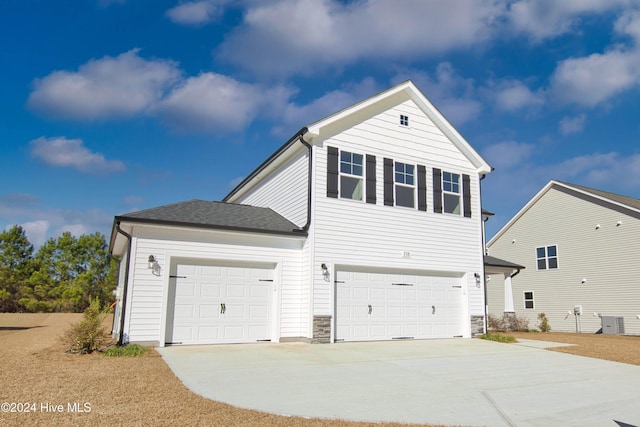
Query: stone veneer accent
<point x="321" y="330"/>
<point x="477" y="325"/>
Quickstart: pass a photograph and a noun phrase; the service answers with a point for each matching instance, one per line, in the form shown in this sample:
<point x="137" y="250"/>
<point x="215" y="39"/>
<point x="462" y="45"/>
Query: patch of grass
<point x="498" y="337"/>
<point x="129" y="350"/>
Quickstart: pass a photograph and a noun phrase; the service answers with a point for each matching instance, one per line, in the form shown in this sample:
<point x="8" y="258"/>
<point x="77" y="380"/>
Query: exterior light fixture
<point x="154" y="266"/>
<point x="325" y="270"/>
<point x="152" y="261"/>
<point x="597" y="226"/>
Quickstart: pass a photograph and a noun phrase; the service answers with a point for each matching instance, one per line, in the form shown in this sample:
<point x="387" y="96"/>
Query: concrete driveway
<point x="452" y="382"/>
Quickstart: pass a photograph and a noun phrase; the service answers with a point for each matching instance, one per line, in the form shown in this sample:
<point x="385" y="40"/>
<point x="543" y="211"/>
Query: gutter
<point x="123" y="301"/>
<point x="301" y="134"/>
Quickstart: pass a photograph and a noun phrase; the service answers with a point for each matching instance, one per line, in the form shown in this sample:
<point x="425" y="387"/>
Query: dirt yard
<point x="39" y="377"/>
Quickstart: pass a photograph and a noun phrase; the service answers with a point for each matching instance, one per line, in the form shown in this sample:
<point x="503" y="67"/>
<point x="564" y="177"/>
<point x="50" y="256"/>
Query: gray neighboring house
<point x="581" y="251"/>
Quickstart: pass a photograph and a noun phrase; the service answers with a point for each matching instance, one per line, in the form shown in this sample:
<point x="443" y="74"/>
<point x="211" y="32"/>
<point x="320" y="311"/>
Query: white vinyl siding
<point x="284" y="190"/>
<point x="378" y="235"/>
<point x="148" y="295"/>
<point x="606" y="256"/>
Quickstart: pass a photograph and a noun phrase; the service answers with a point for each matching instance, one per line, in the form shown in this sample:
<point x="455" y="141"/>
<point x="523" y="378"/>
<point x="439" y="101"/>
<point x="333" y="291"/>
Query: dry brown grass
<point x="625" y="349"/>
<point x="138" y="391"/>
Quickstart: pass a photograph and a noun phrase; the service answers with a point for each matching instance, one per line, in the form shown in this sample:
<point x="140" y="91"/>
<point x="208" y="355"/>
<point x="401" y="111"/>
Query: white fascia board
<point x="521" y="212"/>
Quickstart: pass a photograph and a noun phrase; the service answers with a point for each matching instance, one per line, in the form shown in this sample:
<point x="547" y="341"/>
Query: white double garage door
<point x="383" y="306"/>
<point x="218" y="303"/>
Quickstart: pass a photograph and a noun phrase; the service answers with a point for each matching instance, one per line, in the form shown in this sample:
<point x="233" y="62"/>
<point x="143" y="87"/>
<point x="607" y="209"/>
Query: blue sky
<point x="111" y="106"/>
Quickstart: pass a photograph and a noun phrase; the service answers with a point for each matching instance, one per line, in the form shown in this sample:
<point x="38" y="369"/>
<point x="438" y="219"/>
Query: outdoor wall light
<point x="325" y="270"/>
<point x="154" y="266"/>
<point x="597" y="226"/>
<point x="618" y="224"/>
<point x="584" y="280"/>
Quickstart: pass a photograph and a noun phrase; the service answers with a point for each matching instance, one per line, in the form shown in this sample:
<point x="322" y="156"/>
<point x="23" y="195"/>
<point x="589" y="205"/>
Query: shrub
<point x="129" y="350"/>
<point x="498" y="337"/>
<point x="543" y="324"/>
<point x="508" y="322"/>
<point x="88" y="335"/>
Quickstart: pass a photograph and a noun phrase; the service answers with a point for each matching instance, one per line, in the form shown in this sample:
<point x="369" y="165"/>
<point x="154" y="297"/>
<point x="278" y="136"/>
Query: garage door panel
<point x="186" y="289"/>
<point x="208" y="311"/>
<point x="184" y="311"/>
<point x="210" y="290"/>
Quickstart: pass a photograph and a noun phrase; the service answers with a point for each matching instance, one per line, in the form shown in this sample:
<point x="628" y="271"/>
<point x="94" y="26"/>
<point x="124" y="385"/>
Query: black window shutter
<point x="422" y="188"/>
<point x="466" y="195"/>
<point x="437" y="190"/>
<point x="371" y="179"/>
<point x="332" y="172"/>
<point x="388" y="182"/>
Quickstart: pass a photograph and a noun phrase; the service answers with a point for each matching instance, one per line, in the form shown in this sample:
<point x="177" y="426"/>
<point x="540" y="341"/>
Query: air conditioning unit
<point x="613" y="325"/>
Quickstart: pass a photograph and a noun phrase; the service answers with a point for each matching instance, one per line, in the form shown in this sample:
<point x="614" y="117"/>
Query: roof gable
<point x="359" y="112"/>
<point x="217" y="215"/>
<point x="626" y="202"/>
<point x="392" y="96"/>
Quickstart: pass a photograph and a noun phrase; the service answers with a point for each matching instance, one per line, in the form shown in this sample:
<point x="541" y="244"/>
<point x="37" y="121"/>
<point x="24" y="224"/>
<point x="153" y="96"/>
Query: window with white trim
<point x="405" y="184"/>
<point x="528" y="300"/>
<point x="404" y="120"/>
<point x="451" y="199"/>
<point x="547" y="257"/>
<point x="351" y="173"/>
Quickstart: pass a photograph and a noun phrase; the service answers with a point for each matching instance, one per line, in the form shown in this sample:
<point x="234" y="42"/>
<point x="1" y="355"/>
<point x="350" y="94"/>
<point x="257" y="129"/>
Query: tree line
<point x="64" y="275"/>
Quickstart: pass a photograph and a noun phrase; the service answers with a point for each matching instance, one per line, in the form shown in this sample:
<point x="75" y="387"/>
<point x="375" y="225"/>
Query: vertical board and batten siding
<point x="284" y="190"/>
<point x="348" y="232"/>
<point x="146" y="300"/>
<point x="606" y="257"/>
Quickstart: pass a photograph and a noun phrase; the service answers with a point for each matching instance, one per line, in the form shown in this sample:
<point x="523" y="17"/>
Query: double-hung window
<point x="547" y="257"/>
<point x="351" y="175"/>
<point x="405" y="184"/>
<point x="528" y="300"/>
<point x="451" y="192"/>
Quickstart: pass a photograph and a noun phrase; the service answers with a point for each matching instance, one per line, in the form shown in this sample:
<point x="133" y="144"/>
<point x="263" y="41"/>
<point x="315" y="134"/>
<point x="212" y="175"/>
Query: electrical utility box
<point x="613" y="325"/>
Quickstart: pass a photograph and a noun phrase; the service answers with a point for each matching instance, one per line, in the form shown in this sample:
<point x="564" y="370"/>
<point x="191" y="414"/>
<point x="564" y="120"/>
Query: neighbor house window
<point x="405" y="184"/>
<point x="451" y="192"/>
<point x="351" y="172"/>
<point x="547" y="257"/>
<point x="404" y="120"/>
<point x="528" y="300"/>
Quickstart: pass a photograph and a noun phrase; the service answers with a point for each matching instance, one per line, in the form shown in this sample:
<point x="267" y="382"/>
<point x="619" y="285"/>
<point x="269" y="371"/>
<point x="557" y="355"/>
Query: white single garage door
<point x="215" y="304"/>
<point x="379" y="306"/>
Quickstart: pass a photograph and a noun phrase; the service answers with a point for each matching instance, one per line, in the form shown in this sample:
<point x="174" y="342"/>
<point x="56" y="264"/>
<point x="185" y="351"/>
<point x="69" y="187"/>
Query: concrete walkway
<point x="452" y="382"/>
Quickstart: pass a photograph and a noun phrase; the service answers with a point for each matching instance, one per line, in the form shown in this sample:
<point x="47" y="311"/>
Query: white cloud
<point x="63" y="152"/>
<point x="195" y="13"/>
<point x="542" y="19"/>
<point x="213" y="102"/>
<point x="276" y="37"/>
<point x="508" y="154"/>
<point x="592" y="80"/>
<point x="513" y="95"/>
<point x="569" y="125"/>
<point x="36" y="231"/>
<point x="42" y="222"/>
<point x="104" y="88"/>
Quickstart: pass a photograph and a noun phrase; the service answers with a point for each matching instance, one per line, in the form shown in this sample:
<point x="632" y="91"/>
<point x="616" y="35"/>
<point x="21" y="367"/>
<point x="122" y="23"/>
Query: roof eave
<point x="293" y="232"/>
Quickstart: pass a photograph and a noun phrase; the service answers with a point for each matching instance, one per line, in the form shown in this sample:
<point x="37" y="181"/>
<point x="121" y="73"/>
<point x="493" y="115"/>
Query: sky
<point x="112" y="106"/>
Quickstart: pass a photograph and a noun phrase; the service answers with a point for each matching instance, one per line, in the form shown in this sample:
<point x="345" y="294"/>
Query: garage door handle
<point x="433" y="309"/>
<point x="223" y="308"/>
<point x="370" y="309"/>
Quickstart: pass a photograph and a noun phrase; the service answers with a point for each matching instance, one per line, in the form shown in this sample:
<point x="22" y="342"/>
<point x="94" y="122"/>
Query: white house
<point x="365" y="225"/>
<point x="581" y="250"/>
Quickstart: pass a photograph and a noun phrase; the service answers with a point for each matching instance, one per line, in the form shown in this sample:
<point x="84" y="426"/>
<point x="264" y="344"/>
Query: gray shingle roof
<point x="625" y="200"/>
<point x="497" y="262"/>
<point x="206" y="214"/>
